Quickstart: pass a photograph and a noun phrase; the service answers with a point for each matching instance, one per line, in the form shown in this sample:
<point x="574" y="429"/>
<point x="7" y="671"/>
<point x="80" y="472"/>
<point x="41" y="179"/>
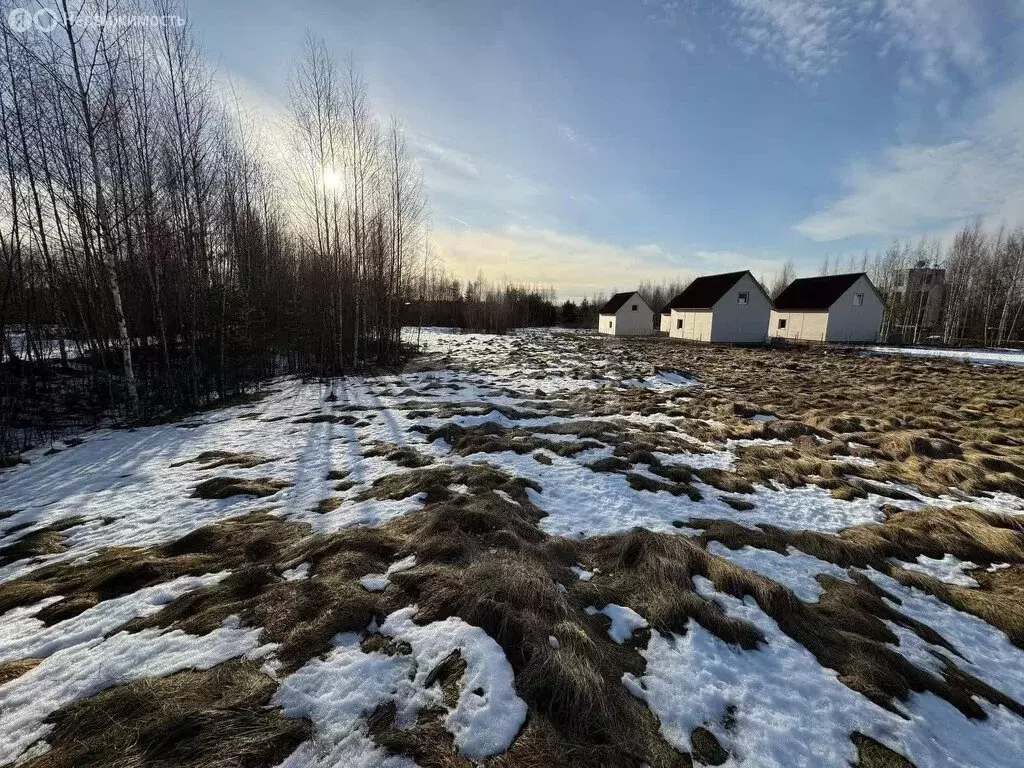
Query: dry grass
<point x="202" y="718"/>
<point x="225" y="487"/>
<point x="12" y="670"/>
<point x="46" y="541"/>
<point x="402" y="455"/>
<point x="486" y="560"/>
<point x="214" y="459"/>
<point x="871" y="754"/>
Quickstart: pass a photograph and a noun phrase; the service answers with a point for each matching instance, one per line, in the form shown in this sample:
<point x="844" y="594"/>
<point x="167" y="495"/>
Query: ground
<point x="533" y="550"/>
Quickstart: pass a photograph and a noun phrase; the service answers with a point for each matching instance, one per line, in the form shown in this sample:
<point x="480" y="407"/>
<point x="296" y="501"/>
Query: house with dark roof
<point x="831" y="308"/>
<point x="730" y="308"/>
<point x="626" y="314"/>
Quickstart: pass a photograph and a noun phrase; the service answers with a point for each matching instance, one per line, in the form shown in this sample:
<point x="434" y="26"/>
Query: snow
<point x="24" y="636"/>
<point x="976" y="356"/>
<point x="948" y="569"/>
<point x="85" y="669"/>
<point x="625" y="621"/>
<point x="336" y="693"/>
<point x="777" y="707"/>
<point x="582" y="573"/>
<point x="795" y="569"/>
<point x="376" y="582"/>
<point x="298" y="573"/>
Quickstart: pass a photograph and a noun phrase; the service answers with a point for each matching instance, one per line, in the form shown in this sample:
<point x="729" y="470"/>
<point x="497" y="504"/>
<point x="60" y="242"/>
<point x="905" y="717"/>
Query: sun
<point x="332" y="179"/>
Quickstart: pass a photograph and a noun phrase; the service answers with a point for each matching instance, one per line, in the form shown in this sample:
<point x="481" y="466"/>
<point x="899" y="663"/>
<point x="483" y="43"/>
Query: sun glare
<point x="332" y="179"/>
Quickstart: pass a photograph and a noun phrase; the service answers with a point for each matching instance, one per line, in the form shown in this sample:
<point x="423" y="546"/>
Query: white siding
<point x="736" y="323"/>
<point x="850" y="323"/>
<point x="800" y="326"/>
<point x="666" y="322"/>
<point x="628" y="321"/>
<point x="693" y="324"/>
<point x="844" y="322"/>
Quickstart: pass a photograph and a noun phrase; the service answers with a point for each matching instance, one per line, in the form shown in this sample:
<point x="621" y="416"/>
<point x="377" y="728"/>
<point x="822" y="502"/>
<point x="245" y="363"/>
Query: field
<point x="540" y="549"/>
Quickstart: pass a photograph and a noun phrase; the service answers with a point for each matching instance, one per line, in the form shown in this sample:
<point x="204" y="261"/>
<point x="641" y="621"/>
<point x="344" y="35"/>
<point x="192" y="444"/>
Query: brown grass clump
<point x="329" y="504"/>
<point x="435" y="481"/>
<point x="12" y="670"/>
<point x="724" y="480"/>
<point x="214" y="459"/>
<point x="402" y="455"/>
<point x="491" y="437"/>
<point x="872" y="754"/>
<point x="209" y="717"/>
<point x="224" y="487"/>
<point x="45" y="541"/>
<point x="326" y="418"/>
<point x="706" y="748"/>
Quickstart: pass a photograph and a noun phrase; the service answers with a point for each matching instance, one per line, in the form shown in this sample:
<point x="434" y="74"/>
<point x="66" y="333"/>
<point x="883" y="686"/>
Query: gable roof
<point x="705" y="291"/>
<point x="816" y="293"/>
<point x="615" y="303"/>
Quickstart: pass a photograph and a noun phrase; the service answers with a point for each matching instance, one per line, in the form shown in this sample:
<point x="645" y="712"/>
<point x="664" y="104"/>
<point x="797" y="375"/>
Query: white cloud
<point x="809" y="38"/>
<point x="942" y="35"/>
<point x="576" y="265"/>
<point x="803" y="36"/>
<point x="474" y="180"/>
<point x="914" y="187"/>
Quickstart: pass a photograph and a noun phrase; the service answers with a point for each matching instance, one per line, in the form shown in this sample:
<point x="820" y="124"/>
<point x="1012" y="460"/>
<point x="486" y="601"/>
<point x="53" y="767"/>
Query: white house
<point x="626" y="314"/>
<point x="665" y="323"/>
<point x="833" y="308"/>
<point x="731" y="308"/>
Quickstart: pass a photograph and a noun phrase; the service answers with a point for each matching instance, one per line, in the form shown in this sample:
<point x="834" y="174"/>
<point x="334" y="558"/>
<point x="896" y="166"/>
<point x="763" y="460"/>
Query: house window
<point x="782" y="323"/>
<point x="609" y="323"/>
<point x="743" y="298"/>
<point x="636" y="307"/>
<point x="858" y="299"/>
<point x="679" y="323"/>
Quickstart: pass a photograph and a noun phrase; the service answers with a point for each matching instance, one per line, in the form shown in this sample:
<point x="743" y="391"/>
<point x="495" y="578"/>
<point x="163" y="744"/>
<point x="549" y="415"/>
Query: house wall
<point x="695" y="325"/>
<point x="855" y="324"/>
<point x="666" y="322"/>
<point x="627" y="321"/>
<point x="800" y="326"/>
<point x="736" y="323"/>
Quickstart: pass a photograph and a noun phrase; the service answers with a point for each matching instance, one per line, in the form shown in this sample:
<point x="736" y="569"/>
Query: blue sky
<point x="591" y="145"/>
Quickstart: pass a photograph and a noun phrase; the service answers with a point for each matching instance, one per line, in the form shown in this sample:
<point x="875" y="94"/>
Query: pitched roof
<point x="705" y="291"/>
<point x="815" y="293"/>
<point x="615" y="303"/>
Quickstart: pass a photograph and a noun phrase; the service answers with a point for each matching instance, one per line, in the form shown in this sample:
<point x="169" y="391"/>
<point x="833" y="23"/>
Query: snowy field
<point x="444" y="567"/>
<point x="976" y="356"/>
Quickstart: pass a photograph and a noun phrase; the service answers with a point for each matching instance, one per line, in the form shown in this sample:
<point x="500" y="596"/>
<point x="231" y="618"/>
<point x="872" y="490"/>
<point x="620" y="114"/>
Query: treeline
<point x="482" y="306"/>
<point x="156" y="254"/>
<point x="982" y="295"/>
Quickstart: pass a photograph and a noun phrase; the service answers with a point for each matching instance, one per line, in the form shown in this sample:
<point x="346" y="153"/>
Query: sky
<point x="589" y="145"/>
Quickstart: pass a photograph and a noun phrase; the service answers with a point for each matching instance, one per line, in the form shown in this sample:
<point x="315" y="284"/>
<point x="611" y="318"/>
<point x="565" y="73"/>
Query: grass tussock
<point x="214" y="717"/>
<point x="402" y="455"/>
<point x="225" y="487"/>
<point x="12" y="670"/>
<point x="214" y="459"/>
<point x="46" y="541"/>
